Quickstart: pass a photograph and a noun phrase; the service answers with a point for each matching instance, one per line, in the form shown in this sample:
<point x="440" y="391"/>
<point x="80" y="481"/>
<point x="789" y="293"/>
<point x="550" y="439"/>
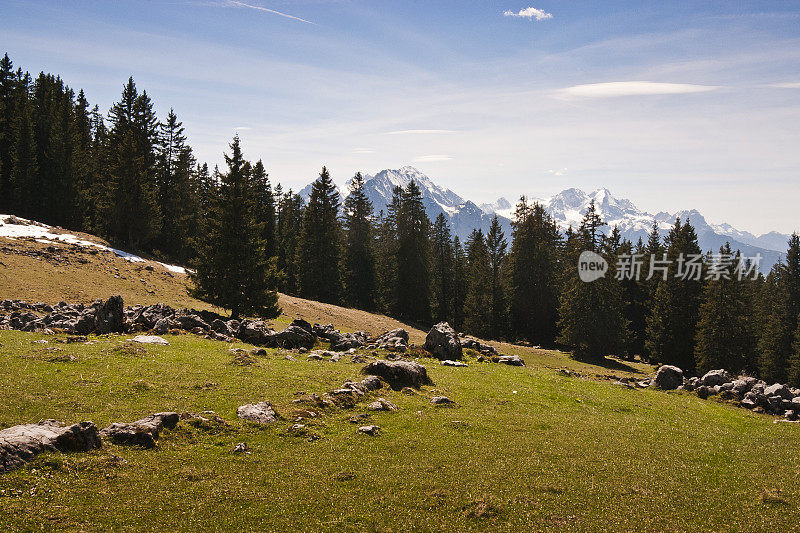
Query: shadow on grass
<point x="610" y="364"/>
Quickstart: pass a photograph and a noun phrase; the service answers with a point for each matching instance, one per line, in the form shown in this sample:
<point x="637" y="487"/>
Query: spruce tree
<point x="460" y="284"/>
<point x="413" y="258"/>
<point x="591" y="313"/>
<point x="496" y="246"/>
<point x="671" y="326"/>
<point x="773" y="335"/>
<point x="534" y="274"/>
<point x="359" y="255"/>
<point x="635" y="295"/>
<point x="265" y="206"/>
<point x="319" y="247"/>
<point x="7" y="113"/>
<point x="24" y="165"/>
<point x="386" y="254"/>
<point x="289" y="226"/>
<point x="724" y="336"/>
<point x="794" y="359"/>
<point x="478" y="305"/>
<point x="442" y="270"/>
<point x="231" y="268"/>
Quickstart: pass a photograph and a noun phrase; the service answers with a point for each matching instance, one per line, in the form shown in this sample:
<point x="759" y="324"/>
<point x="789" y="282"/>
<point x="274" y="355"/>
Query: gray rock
<point x="743" y="385"/>
<point x="372" y="383"/>
<point x="443" y="343"/>
<point x="441" y="400"/>
<point x="448" y="362"/>
<point x="511" y="360"/>
<point x="382" y="404"/>
<point x="668" y="377"/>
<point x="399" y="374"/>
<point x="19" y="444"/>
<point x="716" y="377"/>
<point x="150" y="339"/>
<point x="371" y="430"/>
<point x="778" y="390"/>
<point x="260" y="413"/>
<point x="144" y="432"/>
<point x="704" y="391"/>
<point x="162" y="326"/>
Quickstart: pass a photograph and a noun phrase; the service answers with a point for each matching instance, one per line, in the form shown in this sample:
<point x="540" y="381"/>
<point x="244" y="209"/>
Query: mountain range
<point x="567" y="208"/>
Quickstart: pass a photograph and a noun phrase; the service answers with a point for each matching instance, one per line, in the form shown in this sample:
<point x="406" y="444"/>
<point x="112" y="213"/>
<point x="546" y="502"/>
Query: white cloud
<point x="363" y="151"/>
<point x="789" y="85"/>
<point x="529" y="13"/>
<point x="266" y="10"/>
<point x="432" y="158"/>
<point x="559" y="172"/>
<point x="629" y="88"/>
<point x="242" y="128"/>
<point x="415" y="132"/>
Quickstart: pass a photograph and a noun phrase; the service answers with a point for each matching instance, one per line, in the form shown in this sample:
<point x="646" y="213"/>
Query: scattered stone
<point x="399" y="374"/>
<point x="441" y="400"/>
<point x="382" y="404"/>
<point x="511" y="360"/>
<point x="704" y="391"/>
<point x="260" y="413"/>
<point x="395" y="340"/>
<point x="716" y="377"/>
<point x="668" y="377"/>
<point x="144" y="432"/>
<point x="19" y="444"/>
<point x="448" y="362"/>
<point x="778" y="390"/>
<point x="150" y="339"/>
<point x="567" y="372"/>
<point x="241" y="447"/>
<point x="372" y="383"/>
<point x="443" y="343"/>
<point x="371" y="430"/>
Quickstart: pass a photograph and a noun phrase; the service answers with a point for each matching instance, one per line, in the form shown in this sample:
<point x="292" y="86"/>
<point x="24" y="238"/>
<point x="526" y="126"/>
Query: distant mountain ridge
<point x="567" y="208"/>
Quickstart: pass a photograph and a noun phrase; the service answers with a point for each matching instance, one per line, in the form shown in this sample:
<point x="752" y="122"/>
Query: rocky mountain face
<point x="567" y="208"/>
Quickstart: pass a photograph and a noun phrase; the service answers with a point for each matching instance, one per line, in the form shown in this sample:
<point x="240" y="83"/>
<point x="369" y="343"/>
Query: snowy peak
<point x="385" y="181"/>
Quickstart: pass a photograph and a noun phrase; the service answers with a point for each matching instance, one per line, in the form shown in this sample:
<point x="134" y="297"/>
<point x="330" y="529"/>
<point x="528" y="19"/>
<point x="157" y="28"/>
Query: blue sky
<point x="675" y="105"/>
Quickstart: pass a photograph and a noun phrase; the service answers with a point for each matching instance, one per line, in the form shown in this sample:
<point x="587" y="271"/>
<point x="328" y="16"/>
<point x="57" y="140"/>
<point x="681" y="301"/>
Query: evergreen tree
<point x="442" y="270"/>
<point x="359" y="255"/>
<point x="319" y="243"/>
<point x="672" y="324"/>
<point x="289" y="226"/>
<point x="265" y="206"/>
<point x="724" y="336"/>
<point x="460" y="283"/>
<point x="413" y="270"/>
<point x="635" y="295"/>
<point x="133" y="216"/>
<point x="24" y="165"/>
<point x="496" y="246"/>
<point x="773" y="337"/>
<point x="8" y="112"/>
<point x="231" y="269"/>
<point x="478" y="305"/>
<point x="386" y="254"/>
<point x="794" y="359"/>
<point x="534" y="273"/>
<point x="592" y="322"/>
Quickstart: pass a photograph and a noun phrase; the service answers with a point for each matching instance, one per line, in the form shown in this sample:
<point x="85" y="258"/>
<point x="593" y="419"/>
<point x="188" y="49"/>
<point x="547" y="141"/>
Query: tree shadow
<point x="609" y="364"/>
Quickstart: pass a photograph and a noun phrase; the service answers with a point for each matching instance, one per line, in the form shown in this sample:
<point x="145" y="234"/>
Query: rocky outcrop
<point x="668" y="377"/>
<point x="260" y="413"/>
<point x="399" y="374"/>
<point x="443" y="343"/>
<point x="395" y="340"/>
<point x="144" y="432"/>
<point x="20" y="444"/>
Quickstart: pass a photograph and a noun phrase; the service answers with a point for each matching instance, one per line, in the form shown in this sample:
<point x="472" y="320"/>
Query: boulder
<point x="778" y="390"/>
<point x="296" y="335"/>
<point x="395" y="340"/>
<point x="190" y="322"/>
<point x="399" y="374"/>
<point x="716" y="377"/>
<point x="110" y="316"/>
<point x="743" y="385"/>
<point x="371" y="430"/>
<point x="668" y="377"/>
<point x="442" y="341"/>
<point x="150" y="339"/>
<point x="704" y="391"/>
<point x="162" y="326"/>
<point x="441" y="400"/>
<point x="260" y="413"/>
<point x="382" y="404"/>
<point x="448" y="362"/>
<point x="372" y="383"/>
<point x="254" y="332"/>
<point x="144" y="432"/>
<point x="511" y="360"/>
<point x="19" y="444"/>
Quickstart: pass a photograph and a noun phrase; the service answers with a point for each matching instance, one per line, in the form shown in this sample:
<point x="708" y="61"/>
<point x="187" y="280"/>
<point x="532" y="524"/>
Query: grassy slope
<point x="559" y="453"/>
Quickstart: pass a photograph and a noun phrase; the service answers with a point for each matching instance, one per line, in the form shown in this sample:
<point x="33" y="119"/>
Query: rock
<point x="511" y="360"/>
<point x="716" y="377"/>
<point x="399" y="374"/>
<point x="382" y="404"/>
<point x="254" y="332"/>
<point x="668" y="377"/>
<point x="778" y="390"/>
<point x="395" y="340"/>
<point x="441" y="400"/>
<point x="220" y="326"/>
<point x="294" y="336"/>
<point x="19" y="444"/>
<point x="110" y="317"/>
<point x="443" y="343"/>
<point x="372" y="383"/>
<point x="448" y="362"/>
<point x="162" y="326"/>
<point x="191" y="321"/>
<point x="371" y="430"/>
<point x="241" y="448"/>
<point x="260" y="413"/>
<point x="704" y="391"/>
<point x="150" y="339"/>
<point x="143" y="432"/>
<point x="743" y="385"/>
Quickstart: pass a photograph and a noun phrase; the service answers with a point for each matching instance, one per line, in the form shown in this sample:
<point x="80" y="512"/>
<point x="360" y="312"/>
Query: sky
<point x="673" y="105"/>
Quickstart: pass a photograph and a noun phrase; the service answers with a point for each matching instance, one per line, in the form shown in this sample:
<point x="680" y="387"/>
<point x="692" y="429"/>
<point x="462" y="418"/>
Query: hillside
<point x="522" y="449"/>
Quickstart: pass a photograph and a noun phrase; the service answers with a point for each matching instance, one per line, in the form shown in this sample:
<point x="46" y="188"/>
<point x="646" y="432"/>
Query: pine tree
<point x="413" y="266"/>
<point x="724" y="336"/>
<point x="460" y="284"/>
<point x="386" y="254"/>
<point x="534" y="274"/>
<point x="231" y="269"/>
<point x="7" y="113"/>
<point x="133" y="213"/>
<point x="442" y="270"/>
<point x="635" y="295"/>
<point x="592" y="322"/>
<point x="265" y="206"/>
<point x="496" y="246"/>
<point x="794" y="359"/>
<point x="24" y="165"/>
<point x="359" y="255"/>
<point x="672" y="324"/>
<point x="773" y="335"/>
<point x="478" y="305"/>
<point x="319" y="251"/>
<point x="289" y="225"/>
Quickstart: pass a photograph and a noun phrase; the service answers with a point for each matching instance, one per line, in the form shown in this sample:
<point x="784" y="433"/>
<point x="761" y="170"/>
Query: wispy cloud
<point x="242" y="128"/>
<point x="432" y="158"/>
<point x="789" y="85"/>
<point x="559" y="172"/>
<point x="416" y="132"/>
<point x="363" y="151"/>
<point x="266" y="10"/>
<point x="529" y="13"/>
<point x="630" y="88"/>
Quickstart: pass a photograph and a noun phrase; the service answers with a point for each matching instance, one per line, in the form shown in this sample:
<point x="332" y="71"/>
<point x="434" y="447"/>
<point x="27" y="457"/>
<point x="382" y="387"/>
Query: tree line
<point x="133" y="179"/>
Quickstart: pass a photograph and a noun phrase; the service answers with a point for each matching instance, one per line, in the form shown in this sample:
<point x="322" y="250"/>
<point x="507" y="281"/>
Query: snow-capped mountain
<point x="567" y="208"/>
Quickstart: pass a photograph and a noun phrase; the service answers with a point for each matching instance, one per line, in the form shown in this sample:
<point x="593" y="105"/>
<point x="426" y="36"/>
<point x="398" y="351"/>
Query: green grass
<point x="524" y="449"/>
